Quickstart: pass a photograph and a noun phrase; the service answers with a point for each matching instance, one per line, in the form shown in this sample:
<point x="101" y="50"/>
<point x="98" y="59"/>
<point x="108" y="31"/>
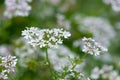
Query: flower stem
<point x="47" y="58"/>
<point x="10" y="77"/>
<point x="48" y="62"/>
<point x="83" y="57"/>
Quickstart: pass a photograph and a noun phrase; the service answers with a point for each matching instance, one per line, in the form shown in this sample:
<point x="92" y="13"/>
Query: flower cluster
<point x="17" y="8"/>
<point x="99" y="27"/>
<point x="115" y="4"/>
<point x="7" y="65"/>
<point x="90" y="46"/>
<point x="44" y="37"/>
<point x="106" y="72"/>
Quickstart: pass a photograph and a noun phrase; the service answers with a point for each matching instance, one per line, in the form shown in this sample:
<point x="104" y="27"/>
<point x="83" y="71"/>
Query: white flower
<point x="63" y="22"/>
<point x="4" y="50"/>
<point x="100" y="28"/>
<point x="95" y="73"/>
<point x="45" y="37"/>
<point x="106" y="72"/>
<point x="92" y="47"/>
<point x="114" y="75"/>
<point x="17" y="8"/>
<point x="66" y="34"/>
<point x="114" y="3"/>
<point x="8" y="64"/>
<point x="3" y="75"/>
<point x="107" y="1"/>
<point x="107" y="68"/>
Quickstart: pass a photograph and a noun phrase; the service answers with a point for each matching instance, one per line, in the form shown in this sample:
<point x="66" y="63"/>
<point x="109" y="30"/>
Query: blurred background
<point x="99" y="19"/>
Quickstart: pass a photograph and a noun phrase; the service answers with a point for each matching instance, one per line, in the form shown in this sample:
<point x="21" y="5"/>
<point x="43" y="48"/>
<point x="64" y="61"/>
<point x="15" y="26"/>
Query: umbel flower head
<point x="45" y="37"/>
<point x="7" y="65"/>
<point x="17" y="8"/>
<point x="92" y="47"/>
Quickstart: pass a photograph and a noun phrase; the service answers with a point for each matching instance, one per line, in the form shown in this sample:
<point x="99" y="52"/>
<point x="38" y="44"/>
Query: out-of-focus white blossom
<point x="100" y="28"/>
<point x="95" y="73"/>
<point x="3" y="75"/>
<point x="107" y="68"/>
<point x="107" y="1"/>
<point x="44" y="37"/>
<point x="106" y="72"/>
<point x="25" y="52"/>
<point x="17" y="8"/>
<point x="92" y="47"/>
<point x="62" y="22"/>
<point x="114" y="75"/>
<point x="114" y="3"/>
<point x="5" y="50"/>
<point x="7" y="65"/>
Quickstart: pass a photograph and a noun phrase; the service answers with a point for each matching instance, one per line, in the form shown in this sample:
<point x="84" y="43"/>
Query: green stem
<point x="83" y="57"/>
<point x="10" y="77"/>
<point x="48" y="62"/>
<point x="47" y="58"/>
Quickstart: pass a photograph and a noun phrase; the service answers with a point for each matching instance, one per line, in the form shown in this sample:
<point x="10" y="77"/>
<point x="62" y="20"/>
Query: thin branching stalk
<point x="48" y="62"/>
<point x="47" y="58"/>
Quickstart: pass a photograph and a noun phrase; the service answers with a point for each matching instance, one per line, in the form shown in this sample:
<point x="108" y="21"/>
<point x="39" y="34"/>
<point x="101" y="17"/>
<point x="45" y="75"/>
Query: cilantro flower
<point x="92" y="47"/>
<point x="7" y="65"/>
<point x="45" y="37"/>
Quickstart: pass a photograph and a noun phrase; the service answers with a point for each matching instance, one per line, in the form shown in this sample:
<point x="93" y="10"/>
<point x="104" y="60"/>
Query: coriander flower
<point x="17" y="8"/>
<point x="99" y="27"/>
<point x="45" y="37"/>
<point x="114" y="3"/>
<point x="107" y="72"/>
<point x="63" y="22"/>
<point x="7" y="65"/>
<point x="92" y="47"/>
<point x="3" y="75"/>
<point x="107" y="1"/>
<point x="95" y="73"/>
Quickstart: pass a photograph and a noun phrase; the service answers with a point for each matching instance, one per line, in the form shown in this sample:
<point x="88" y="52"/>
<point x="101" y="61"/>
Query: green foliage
<point x="43" y="15"/>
